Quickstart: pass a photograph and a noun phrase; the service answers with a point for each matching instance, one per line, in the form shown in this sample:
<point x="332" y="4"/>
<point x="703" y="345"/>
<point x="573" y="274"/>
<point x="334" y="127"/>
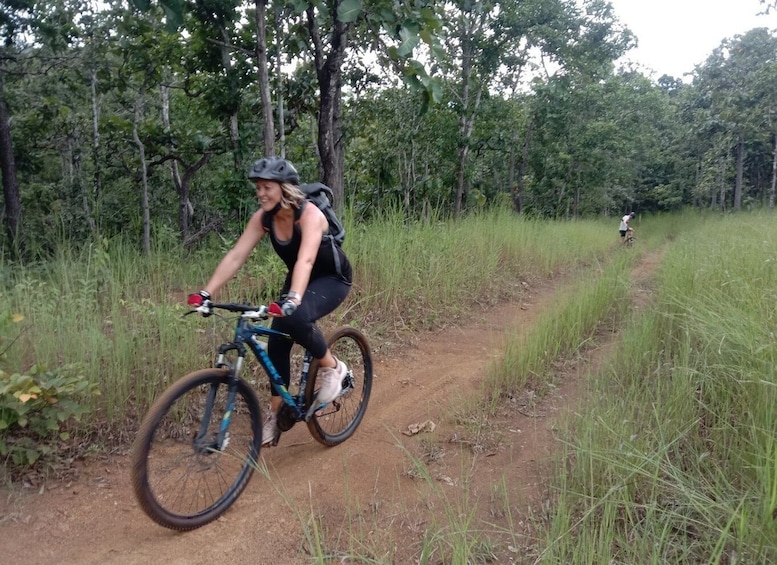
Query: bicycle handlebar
<point x="246" y="311"/>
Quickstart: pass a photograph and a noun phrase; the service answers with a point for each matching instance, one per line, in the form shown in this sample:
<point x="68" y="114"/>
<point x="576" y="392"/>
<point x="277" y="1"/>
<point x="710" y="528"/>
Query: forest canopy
<point x="141" y="117"/>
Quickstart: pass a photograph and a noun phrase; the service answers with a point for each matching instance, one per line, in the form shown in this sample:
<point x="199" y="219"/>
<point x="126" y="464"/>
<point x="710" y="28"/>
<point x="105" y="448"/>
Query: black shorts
<point x="623" y="233"/>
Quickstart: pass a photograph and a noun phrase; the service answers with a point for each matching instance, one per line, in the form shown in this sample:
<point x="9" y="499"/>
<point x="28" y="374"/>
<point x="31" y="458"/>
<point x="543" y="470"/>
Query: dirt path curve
<point x="95" y="520"/>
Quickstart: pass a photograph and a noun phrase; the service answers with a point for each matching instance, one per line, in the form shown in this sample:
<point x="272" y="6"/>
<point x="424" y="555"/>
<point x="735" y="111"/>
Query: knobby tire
<point x="181" y="483"/>
<point x="338" y="420"/>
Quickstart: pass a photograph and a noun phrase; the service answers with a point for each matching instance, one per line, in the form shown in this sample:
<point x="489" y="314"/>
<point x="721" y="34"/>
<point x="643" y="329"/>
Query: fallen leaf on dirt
<point x="413" y="429"/>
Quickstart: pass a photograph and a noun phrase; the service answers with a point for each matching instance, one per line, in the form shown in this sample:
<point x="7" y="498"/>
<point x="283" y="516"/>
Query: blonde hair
<point x="291" y="195"/>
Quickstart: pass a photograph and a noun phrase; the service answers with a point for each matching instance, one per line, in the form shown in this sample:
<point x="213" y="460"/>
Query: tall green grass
<point x="675" y="458"/>
<point x="417" y="274"/>
<point x="581" y="310"/>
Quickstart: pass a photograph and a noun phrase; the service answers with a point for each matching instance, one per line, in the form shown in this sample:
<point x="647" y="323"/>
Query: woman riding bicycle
<point x="318" y="278"/>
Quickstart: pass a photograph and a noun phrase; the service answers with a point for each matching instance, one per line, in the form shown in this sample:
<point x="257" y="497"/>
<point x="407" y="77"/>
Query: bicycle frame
<point x="248" y="333"/>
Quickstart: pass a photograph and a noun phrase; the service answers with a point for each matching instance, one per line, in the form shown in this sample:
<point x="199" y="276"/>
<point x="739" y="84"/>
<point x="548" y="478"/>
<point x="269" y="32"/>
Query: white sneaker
<point x="270" y="431"/>
<point x="330" y="382"/>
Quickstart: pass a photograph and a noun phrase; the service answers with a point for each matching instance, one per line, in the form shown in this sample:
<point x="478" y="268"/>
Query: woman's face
<point x="268" y="192"/>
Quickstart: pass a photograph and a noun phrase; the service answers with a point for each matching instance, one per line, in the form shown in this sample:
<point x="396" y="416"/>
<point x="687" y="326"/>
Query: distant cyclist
<point x="625" y="227"/>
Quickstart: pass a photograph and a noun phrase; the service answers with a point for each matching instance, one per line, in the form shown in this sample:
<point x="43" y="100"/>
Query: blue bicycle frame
<point x="248" y="333"/>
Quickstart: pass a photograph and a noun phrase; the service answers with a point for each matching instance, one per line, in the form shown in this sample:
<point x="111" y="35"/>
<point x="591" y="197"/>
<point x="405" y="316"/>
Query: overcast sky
<point x="676" y="35"/>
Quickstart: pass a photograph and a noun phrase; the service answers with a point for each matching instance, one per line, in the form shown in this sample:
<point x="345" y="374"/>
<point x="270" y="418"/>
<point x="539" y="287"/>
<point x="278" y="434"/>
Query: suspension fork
<point x="234" y="377"/>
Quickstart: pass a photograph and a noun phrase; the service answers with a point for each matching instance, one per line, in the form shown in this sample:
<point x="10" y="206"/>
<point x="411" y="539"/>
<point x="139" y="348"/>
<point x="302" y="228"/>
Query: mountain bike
<point x="629" y="239"/>
<point x="199" y="443"/>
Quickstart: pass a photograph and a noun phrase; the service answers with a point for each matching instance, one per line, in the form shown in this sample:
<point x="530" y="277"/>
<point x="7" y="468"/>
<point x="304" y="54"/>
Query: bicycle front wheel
<point x="185" y="473"/>
<point x="338" y="420"/>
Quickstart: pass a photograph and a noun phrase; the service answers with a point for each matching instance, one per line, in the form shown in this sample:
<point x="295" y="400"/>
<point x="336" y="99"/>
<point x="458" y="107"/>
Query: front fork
<point x="221" y="440"/>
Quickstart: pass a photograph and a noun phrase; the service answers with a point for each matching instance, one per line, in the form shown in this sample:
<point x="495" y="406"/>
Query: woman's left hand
<point x="283" y="308"/>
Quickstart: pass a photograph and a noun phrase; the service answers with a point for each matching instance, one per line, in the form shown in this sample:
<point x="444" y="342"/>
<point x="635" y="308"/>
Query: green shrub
<point x="35" y="409"/>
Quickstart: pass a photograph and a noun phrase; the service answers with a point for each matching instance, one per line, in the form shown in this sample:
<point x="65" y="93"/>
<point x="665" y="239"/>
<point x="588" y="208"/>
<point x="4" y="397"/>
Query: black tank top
<point x="331" y="260"/>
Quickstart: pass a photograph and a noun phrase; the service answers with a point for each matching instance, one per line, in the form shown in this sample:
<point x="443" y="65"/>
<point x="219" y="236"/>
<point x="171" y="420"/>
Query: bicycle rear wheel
<point x="182" y="479"/>
<point x="338" y="420"/>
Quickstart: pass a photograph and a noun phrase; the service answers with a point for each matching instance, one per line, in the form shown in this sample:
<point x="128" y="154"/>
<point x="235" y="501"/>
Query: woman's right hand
<point x="197" y="298"/>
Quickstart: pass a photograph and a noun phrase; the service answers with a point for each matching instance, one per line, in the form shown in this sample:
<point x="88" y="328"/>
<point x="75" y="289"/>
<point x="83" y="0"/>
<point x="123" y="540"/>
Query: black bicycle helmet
<point x="274" y="168"/>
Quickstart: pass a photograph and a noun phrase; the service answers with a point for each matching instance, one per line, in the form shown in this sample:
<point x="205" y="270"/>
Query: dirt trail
<point x="95" y="519"/>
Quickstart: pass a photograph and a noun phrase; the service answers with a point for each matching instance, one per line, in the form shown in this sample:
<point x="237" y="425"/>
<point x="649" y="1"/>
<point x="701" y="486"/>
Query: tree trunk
<point x="466" y="123"/>
<point x="11" y="198"/>
<point x="264" y="81"/>
<point x="328" y="72"/>
<point x="96" y="160"/>
<point x="279" y="72"/>
<point x="740" y="174"/>
<point x="463" y="152"/>
<point x="234" y="132"/>
<point x="511" y="170"/>
<point x="185" y="208"/>
<point x="74" y="174"/>
<point x="574" y="181"/>
<point x="576" y="202"/>
<point x="143" y="178"/>
<point x="773" y="187"/>
<point x="337" y="137"/>
<point x="518" y="196"/>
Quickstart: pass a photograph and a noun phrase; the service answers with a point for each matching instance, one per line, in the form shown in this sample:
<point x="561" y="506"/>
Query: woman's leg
<point x="321" y="297"/>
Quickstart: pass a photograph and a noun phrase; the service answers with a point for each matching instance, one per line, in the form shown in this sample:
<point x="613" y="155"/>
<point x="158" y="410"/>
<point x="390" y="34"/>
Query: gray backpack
<point x="323" y="197"/>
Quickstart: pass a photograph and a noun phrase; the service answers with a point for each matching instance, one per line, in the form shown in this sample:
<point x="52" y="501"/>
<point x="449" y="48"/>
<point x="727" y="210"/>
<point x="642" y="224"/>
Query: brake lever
<point x="203" y="309"/>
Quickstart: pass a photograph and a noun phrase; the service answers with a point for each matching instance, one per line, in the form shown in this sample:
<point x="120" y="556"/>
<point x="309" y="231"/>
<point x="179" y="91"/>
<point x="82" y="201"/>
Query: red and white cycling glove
<point x="282" y="308"/>
<point x="196" y="299"/>
<point x="285" y="306"/>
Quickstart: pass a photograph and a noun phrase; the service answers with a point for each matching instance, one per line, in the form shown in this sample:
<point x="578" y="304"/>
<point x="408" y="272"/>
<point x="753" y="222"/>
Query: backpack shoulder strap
<point x="266" y="222"/>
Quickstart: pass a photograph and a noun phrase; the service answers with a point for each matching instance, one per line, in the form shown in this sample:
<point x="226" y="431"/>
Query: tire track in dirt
<point x="532" y="434"/>
<point x="95" y="519"/>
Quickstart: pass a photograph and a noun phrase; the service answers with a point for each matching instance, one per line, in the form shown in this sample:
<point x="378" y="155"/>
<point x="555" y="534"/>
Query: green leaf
<point x="410" y="40"/>
<point x="349" y="11"/>
<point x="32" y="456"/>
<point x="424" y="102"/>
<point x="299" y="6"/>
<point x="436" y="90"/>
